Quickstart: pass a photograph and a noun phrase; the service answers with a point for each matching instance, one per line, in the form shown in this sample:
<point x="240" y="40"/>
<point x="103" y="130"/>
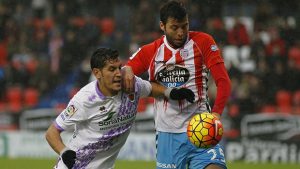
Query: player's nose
<point x="118" y="72"/>
<point x="180" y="32"/>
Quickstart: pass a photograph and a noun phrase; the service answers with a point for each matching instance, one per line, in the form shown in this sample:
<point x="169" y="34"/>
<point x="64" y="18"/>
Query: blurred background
<point x="44" y="60"/>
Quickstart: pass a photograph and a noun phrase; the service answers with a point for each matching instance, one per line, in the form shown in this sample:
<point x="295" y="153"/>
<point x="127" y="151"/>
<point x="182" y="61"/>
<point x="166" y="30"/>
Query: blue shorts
<point x="174" y="150"/>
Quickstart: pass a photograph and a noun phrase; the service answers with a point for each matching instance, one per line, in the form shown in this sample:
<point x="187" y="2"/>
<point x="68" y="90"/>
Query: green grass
<point x="27" y="163"/>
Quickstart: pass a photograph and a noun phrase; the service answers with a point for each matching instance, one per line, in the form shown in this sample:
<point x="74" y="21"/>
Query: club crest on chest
<point x="131" y="97"/>
<point x="184" y="53"/>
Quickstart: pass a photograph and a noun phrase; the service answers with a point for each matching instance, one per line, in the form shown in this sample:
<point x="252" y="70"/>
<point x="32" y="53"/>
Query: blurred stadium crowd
<point x="45" y="48"/>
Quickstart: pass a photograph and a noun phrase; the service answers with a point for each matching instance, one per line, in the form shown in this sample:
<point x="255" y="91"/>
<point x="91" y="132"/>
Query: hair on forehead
<point x="172" y="9"/>
<point x="101" y="56"/>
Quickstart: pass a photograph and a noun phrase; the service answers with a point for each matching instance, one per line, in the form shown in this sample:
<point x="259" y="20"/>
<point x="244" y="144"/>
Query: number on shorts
<point x="214" y="154"/>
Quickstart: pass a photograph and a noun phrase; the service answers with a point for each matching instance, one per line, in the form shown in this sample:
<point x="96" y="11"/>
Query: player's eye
<point x="111" y="69"/>
<point x="174" y="28"/>
<point x="184" y="26"/>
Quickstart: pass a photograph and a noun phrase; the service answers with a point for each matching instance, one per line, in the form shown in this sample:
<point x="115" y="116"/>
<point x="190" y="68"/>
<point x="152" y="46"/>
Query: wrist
<point x="64" y="150"/>
<point x="216" y="114"/>
<point x="126" y="68"/>
<point x="167" y="92"/>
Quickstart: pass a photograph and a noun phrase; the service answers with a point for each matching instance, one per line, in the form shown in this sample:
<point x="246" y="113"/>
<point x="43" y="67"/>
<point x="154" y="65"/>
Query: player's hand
<point x="216" y="115"/>
<point x="180" y="94"/>
<point x="128" y="79"/>
<point x="68" y="157"/>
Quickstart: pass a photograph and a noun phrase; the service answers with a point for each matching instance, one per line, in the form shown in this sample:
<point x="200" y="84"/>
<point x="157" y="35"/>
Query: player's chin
<point x="178" y="43"/>
<point x="117" y="86"/>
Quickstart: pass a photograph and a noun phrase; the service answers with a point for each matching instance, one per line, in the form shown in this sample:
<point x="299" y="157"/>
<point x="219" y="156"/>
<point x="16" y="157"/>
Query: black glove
<point x="180" y="94"/>
<point x="68" y="157"/>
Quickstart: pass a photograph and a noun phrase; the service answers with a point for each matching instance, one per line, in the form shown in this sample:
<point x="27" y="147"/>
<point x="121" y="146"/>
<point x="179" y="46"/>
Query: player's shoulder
<point x="142" y="87"/>
<point x="154" y="44"/>
<point x="139" y="82"/>
<point x="199" y="36"/>
<point x="86" y="93"/>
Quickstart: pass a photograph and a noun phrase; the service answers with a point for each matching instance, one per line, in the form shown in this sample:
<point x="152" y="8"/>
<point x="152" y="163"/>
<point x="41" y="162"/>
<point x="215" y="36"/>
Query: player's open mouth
<point x="117" y="81"/>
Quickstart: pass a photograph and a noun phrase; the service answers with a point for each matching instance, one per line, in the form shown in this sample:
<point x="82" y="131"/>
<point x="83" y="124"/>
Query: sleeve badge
<point x="214" y="48"/>
<point x="69" y="111"/>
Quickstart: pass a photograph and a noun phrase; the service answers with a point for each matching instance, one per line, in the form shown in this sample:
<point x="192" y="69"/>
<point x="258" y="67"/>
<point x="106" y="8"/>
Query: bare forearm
<point x="157" y="90"/>
<point x="54" y="139"/>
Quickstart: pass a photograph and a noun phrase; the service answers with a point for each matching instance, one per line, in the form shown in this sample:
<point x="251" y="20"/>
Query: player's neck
<point x="106" y="92"/>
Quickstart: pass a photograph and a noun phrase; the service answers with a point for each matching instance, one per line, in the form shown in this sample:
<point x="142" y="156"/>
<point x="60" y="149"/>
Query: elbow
<point x="51" y="133"/>
<point x="47" y="135"/>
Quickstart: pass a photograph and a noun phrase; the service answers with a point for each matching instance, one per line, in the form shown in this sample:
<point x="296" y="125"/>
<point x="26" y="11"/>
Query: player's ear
<point x="96" y="72"/>
<point x="162" y="26"/>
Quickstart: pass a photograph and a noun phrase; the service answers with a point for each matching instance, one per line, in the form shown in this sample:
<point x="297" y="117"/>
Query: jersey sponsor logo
<point x="214" y="48"/>
<point x="69" y="112"/>
<point x="173" y="75"/>
<point x="165" y="165"/>
<point x="110" y="115"/>
<point x="116" y="120"/>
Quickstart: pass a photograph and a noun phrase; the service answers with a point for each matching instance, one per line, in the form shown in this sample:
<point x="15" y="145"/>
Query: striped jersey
<point x="183" y="67"/>
<point x="101" y="124"/>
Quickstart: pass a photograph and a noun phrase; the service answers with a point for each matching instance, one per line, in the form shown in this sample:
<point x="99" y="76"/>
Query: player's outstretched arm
<point x="55" y="141"/>
<point x="172" y="93"/>
<point x="180" y="94"/>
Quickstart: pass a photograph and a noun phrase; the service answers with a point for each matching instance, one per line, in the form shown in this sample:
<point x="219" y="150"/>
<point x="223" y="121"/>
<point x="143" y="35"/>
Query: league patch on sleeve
<point x="69" y="111"/>
<point x="214" y="48"/>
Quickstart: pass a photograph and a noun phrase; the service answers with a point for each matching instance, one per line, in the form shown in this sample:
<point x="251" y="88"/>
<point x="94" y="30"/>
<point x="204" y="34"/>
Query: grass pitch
<point x="28" y="163"/>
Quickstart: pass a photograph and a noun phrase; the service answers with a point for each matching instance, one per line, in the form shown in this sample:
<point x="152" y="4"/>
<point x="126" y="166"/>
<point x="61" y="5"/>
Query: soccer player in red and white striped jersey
<point x="182" y="59"/>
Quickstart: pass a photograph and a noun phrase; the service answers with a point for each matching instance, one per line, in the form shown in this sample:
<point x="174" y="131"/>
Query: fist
<point x="182" y="93"/>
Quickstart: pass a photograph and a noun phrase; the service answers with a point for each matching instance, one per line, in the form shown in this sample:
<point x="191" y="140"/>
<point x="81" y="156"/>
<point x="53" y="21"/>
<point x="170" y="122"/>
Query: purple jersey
<point x="102" y="124"/>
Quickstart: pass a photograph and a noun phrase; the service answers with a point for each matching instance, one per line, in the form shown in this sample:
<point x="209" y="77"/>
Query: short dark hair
<point x="172" y="9"/>
<point x="101" y="56"/>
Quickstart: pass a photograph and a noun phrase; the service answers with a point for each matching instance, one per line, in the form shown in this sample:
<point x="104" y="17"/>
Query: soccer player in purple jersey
<point x="101" y="115"/>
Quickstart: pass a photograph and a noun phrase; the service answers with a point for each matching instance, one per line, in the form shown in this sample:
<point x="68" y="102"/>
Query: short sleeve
<point x="143" y="86"/>
<point x="72" y="114"/>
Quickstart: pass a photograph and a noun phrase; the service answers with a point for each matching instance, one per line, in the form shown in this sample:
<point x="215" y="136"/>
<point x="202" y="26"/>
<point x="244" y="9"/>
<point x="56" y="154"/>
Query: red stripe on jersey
<point x="167" y="54"/>
<point x="179" y="59"/>
<point x="152" y="68"/>
<point x="198" y="61"/>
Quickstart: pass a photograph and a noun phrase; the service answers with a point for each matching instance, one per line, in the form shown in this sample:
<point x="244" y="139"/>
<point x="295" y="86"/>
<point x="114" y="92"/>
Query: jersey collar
<point x="100" y="94"/>
<point x="172" y="49"/>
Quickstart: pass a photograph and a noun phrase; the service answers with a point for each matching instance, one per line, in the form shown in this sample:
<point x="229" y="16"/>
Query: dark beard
<point x="170" y="41"/>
